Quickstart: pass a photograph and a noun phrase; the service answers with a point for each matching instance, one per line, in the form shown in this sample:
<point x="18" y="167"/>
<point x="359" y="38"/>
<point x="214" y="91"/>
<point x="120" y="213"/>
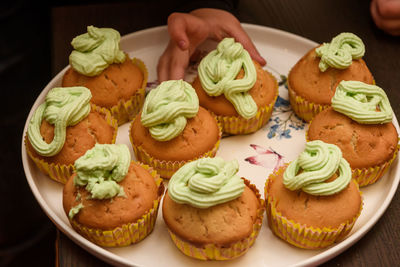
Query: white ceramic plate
<point x="258" y="154"/>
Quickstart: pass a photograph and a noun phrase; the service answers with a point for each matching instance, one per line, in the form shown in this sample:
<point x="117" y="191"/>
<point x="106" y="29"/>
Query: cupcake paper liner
<point x="125" y="111"/>
<point x="164" y="167"/>
<point x="129" y="233"/>
<point x="61" y="172"/>
<point x="300" y="235"/>
<point x="368" y="176"/>
<point x="216" y="252"/>
<point x="237" y="125"/>
<point x="303" y="108"/>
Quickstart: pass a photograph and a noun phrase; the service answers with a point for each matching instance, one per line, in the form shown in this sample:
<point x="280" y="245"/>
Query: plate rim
<point x="113" y="258"/>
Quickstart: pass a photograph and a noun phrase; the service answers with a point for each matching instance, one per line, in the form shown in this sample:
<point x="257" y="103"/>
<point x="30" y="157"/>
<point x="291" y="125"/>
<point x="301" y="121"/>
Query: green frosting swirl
<point x="340" y="52"/>
<point x="364" y="103"/>
<point x="167" y="108"/>
<point x="63" y="106"/>
<point x="96" y="50"/>
<point x="206" y="182"/>
<point x="316" y="164"/>
<point x="75" y="210"/>
<point x="218" y="71"/>
<point x="101" y="168"/>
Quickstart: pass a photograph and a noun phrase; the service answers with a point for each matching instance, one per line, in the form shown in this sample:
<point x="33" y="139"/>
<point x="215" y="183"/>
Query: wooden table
<point x="313" y="19"/>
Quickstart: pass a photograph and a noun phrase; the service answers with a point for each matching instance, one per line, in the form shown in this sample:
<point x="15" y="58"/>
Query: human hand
<point x="386" y="15"/>
<point x="188" y="31"/>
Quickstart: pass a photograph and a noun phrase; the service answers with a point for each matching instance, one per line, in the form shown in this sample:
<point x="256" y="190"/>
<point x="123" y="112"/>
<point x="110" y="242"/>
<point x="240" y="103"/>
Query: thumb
<point x="177" y="26"/>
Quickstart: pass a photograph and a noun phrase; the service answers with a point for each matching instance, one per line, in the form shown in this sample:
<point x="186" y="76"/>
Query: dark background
<point x="24" y="69"/>
<point x="34" y="46"/>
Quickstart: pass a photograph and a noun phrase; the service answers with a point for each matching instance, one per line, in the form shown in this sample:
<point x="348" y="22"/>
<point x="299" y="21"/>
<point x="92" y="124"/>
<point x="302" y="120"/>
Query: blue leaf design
<point x="271" y="134"/>
<point x="281" y="102"/>
<point x="286" y="134"/>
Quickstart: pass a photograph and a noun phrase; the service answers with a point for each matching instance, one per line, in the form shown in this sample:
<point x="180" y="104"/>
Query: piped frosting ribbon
<point x="364" y="103"/>
<point x="63" y="106"/>
<point x="340" y="52"/>
<point x="167" y="108"/>
<point x="218" y="71"/>
<point x="206" y="182"/>
<point x="316" y="164"/>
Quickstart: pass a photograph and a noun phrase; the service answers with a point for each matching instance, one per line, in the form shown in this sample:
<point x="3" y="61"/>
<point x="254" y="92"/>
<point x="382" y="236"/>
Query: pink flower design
<point x="267" y="158"/>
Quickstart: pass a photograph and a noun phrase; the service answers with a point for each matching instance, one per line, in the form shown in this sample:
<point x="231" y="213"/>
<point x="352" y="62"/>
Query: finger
<point x="390" y="26"/>
<point x="388" y="9"/>
<point x="179" y="61"/>
<point x="162" y="67"/>
<point x="249" y="46"/>
<point x="177" y="29"/>
<point x="172" y="63"/>
<point x="164" y="61"/>
<point x="187" y="30"/>
<point x="374" y="13"/>
<point x="241" y="36"/>
<point x="224" y="24"/>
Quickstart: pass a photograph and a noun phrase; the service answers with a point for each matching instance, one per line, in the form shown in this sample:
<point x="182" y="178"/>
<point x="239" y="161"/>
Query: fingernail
<point x="262" y="61"/>
<point x="182" y="44"/>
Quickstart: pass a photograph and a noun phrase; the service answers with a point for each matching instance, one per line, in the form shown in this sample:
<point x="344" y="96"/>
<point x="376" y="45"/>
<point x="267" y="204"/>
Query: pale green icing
<point x="78" y="197"/>
<point x="340" y="52"/>
<point x="104" y="189"/>
<point x="167" y="108"/>
<point x="101" y="168"/>
<point x="218" y="71"/>
<point x="206" y="182"/>
<point x="316" y="164"/>
<point x="364" y="103"/>
<point x="96" y="50"/>
<point x="63" y="106"/>
<point x="75" y="210"/>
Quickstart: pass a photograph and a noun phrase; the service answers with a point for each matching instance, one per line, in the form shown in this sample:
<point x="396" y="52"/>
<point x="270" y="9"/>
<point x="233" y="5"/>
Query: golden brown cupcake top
<point x="118" y="82"/>
<point x="314" y="211"/>
<point x="199" y="136"/>
<point x="222" y="224"/>
<point x="263" y="92"/>
<point x="362" y="145"/>
<point x="79" y="138"/>
<point x="306" y="79"/>
<point x="140" y="192"/>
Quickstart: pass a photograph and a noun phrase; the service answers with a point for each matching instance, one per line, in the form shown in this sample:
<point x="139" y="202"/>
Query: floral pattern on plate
<point x="283" y="120"/>
<point x="267" y="158"/>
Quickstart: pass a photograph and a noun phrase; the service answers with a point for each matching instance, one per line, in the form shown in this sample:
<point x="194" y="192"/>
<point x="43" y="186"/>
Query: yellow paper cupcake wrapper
<point x="303" y="108"/>
<point x="237" y="125"/>
<point x="299" y="235"/>
<point x="61" y="172"/>
<point x="129" y="233"/>
<point x="368" y="176"/>
<point x="125" y="111"/>
<point x="215" y="252"/>
<point x="164" y="167"/>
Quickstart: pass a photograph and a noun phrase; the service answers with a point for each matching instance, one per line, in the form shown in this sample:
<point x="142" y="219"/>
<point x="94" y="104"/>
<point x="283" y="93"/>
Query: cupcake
<point x="312" y="81"/>
<point x="360" y="123"/>
<point x="117" y="82"/>
<point x="210" y="212"/>
<point x="236" y="89"/>
<point x="64" y="127"/>
<point x="172" y="129"/>
<point x="111" y="200"/>
<point x="313" y="202"/>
